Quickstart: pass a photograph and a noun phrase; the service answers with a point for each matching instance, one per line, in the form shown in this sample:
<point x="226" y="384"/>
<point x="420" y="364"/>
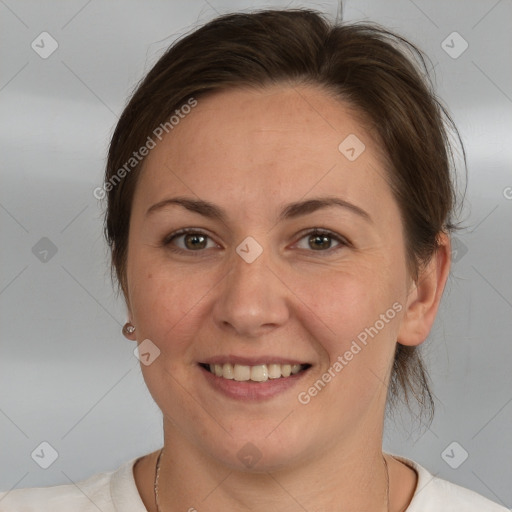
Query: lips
<point x="263" y="388"/>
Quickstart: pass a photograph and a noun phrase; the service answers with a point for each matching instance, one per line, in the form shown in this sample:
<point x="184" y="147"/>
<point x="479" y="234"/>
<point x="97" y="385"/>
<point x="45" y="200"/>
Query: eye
<point x="321" y="240"/>
<point x="193" y="241"/>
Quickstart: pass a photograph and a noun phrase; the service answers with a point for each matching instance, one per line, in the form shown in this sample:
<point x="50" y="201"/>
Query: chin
<point x="263" y="452"/>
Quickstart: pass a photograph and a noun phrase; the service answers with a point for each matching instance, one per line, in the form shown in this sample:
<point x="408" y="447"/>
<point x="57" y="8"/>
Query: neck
<point x="348" y="475"/>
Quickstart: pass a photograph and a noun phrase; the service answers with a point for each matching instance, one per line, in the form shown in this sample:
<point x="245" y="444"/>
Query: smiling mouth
<point x="257" y="373"/>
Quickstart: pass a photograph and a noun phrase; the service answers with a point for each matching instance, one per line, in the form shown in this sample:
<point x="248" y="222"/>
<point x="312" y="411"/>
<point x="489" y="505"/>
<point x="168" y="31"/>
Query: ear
<point x="425" y="295"/>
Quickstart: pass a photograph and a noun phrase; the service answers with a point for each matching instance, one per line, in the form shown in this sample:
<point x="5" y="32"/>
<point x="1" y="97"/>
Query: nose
<point x="252" y="299"/>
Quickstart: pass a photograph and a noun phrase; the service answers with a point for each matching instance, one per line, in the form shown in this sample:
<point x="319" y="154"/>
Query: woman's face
<point x="258" y="286"/>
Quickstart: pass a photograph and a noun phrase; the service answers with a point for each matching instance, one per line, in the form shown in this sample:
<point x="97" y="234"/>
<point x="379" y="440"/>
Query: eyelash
<point x="315" y="231"/>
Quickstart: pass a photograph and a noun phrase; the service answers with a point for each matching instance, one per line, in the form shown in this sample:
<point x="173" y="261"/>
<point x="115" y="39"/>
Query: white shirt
<point x="116" y="491"/>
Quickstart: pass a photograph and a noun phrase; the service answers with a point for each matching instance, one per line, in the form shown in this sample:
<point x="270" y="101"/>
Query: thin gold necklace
<point x="157" y="474"/>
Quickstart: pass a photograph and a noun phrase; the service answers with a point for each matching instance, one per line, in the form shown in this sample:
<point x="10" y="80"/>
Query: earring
<point x="128" y="329"/>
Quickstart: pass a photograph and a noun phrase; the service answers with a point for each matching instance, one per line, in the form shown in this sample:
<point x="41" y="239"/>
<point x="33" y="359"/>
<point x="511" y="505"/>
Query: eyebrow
<point x="290" y="211"/>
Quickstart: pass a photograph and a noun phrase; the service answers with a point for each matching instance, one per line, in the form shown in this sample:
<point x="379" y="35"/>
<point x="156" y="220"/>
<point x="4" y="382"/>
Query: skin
<point x="251" y="152"/>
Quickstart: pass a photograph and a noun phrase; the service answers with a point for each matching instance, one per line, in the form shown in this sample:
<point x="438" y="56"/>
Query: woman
<point x="279" y="215"/>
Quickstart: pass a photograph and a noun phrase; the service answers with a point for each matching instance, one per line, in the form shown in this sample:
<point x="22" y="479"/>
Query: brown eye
<point x="321" y="241"/>
<point x="191" y="241"/>
<point x="194" y="241"/>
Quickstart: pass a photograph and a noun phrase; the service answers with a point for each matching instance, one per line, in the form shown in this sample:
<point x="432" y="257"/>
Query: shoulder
<point x="105" y="491"/>
<point x="84" y="496"/>
<point x="435" y="494"/>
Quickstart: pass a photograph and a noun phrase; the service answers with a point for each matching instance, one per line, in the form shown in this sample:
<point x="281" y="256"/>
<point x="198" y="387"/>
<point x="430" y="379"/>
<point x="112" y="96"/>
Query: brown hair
<point x="363" y="64"/>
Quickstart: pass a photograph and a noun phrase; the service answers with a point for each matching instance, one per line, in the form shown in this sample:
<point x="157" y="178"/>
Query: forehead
<point x="266" y="142"/>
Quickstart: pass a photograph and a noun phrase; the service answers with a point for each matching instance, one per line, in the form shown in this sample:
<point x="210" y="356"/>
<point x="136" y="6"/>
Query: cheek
<point x="167" y="299"/>
<point x="357" y="315"/>
<point x="363" y="319"/>
<point x="348" y="301"/>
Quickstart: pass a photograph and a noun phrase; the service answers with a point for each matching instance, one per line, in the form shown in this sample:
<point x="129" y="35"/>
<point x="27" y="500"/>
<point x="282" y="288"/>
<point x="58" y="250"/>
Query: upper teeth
<point x="258" y="373"/>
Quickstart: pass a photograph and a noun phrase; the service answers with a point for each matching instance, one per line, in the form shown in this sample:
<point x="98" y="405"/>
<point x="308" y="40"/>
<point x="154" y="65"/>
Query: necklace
<point x="158" y="474"/>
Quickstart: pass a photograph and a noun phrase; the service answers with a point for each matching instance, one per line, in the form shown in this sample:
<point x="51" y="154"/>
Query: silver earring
<point x="128" y="329"/>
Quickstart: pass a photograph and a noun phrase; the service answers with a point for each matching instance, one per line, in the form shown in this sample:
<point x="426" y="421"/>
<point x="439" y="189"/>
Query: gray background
<point x="69" y="377"/>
